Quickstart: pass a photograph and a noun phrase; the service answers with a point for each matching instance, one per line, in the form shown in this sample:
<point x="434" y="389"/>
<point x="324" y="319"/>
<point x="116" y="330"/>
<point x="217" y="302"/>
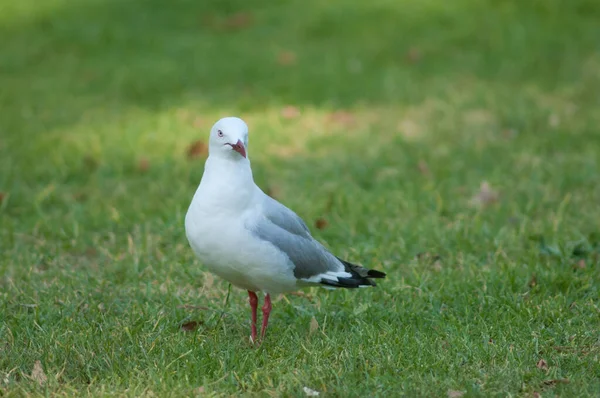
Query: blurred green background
<point x="454" y="145"/>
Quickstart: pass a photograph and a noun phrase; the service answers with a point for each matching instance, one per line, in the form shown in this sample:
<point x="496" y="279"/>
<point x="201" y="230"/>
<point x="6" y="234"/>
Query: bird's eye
<point x="219" y="133"/>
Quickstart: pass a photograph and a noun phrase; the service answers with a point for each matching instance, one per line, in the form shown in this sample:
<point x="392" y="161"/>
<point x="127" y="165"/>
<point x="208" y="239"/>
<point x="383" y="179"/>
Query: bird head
<point x="229" y="138"/>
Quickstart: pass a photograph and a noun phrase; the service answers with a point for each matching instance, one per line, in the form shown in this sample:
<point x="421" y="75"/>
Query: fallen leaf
<point x="90" y="163"/>
<point x="422" y="255"/>
<point x="486" y="196"/>
<point x="200" y="390"/>
<point x="238" y="21"/>
<point x="423" y="168"/>
<point x="536" y="394"/>
<point x="37" y="374"/>
<point x="455" y="394"/>
<point x="2" y="196"/>
<point x="143" y="165"/>
<point x="286" y="58"/>
<point x="273" y="191"/>
<point x="580" y="264"/>
<point x="290" y="112"/>
<point x="190" y="326"/>
<point x="199" y="122"/>
<point x="533" y="281"/>
<point x="302" y="294"/>
<point x="413" y="55"/>
<point x="554" y="382"/>
<point x="321" y="223"/>
<point x="80" y="196"/>
<point x="196" y="149"/>
<point x="314" y="325"/>
<point x="343" y="118"/>
<point x="509" y="133"/>
<point x="542" y="364"/>
<point x="310" y="392"/>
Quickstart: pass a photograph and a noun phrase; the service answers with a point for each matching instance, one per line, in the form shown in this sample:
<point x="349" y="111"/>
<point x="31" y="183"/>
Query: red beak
<point x="239" y="148"/>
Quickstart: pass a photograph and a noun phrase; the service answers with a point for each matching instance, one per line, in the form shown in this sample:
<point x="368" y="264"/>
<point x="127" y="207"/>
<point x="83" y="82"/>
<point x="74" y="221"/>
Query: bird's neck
<point x="226" y="184"/>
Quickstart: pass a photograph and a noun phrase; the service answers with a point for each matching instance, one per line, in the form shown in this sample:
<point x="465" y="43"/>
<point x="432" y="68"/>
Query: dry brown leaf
<point x="196" y="149"/>
<point x="542" y="364"/>
<point x="286" y="58"/>
<point x="143" y="165"/>
<point x="509" y="133"/>
<point x="533" y="281"/>
<point x="486" y="196"/>
<point x="343" y="118"/>
<point x="273" y="191"/>
<point x="2" y="196"/>
<point x="190" y="326"/>
<point x="80" y="196"/>
<point x="554" y="382"/>
<point x="413" y="55"/>
<point x="314" y="325"/>
<point x="580" y="264"/>
<point x="238" y="21"/>
<point x="37" y="374"/>
<point x="200" y="390"/>
<point x="302" y="294"/>
<point x="90" y="162"/>
<point x="455" y="394"/>
<point x="536" y="394"/>
<point x="424" y="168"/>
<point x="290" y="112"/>
<point x="199" y="122"/>
<point x="321" y="223"/>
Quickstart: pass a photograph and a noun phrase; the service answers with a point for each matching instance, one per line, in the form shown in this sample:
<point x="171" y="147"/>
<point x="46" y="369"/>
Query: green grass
<point x="406" y="107"/>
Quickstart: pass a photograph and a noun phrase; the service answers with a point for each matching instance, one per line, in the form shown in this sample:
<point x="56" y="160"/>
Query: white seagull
<point x="250" y="239"/>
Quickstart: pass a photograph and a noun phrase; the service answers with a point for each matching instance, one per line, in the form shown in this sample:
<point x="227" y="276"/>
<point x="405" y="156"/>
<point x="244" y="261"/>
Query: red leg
<point x="266" y="312"/>
<point x="254" y="305"/>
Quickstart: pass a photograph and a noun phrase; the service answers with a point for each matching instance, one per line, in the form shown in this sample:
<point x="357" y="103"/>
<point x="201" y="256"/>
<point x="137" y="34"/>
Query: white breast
<point x="216" y="230"/>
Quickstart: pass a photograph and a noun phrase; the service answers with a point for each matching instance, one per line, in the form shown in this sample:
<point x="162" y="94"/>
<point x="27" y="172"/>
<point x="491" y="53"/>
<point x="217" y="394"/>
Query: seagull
<point x="250" y="239"/>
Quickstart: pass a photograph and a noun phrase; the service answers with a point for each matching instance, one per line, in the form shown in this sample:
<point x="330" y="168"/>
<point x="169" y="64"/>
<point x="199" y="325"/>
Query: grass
<point x="397" y="112"/>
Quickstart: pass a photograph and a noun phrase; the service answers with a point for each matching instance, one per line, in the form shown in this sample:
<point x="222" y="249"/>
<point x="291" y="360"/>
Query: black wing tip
<point x="360" y="277"/>
<point x="373" y="273"/>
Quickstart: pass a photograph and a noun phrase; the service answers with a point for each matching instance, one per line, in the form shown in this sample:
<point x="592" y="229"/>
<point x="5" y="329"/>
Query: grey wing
<point x="284" y="218"/>
<point x="286" y="231"/>
<point x="309" y="257"/>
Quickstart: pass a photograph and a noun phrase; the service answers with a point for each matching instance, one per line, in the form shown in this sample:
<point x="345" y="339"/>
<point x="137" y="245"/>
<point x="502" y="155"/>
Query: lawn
<point x="453" y="145"/>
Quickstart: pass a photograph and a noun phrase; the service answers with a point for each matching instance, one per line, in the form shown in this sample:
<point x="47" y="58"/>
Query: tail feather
<point x="360" y="277"/>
